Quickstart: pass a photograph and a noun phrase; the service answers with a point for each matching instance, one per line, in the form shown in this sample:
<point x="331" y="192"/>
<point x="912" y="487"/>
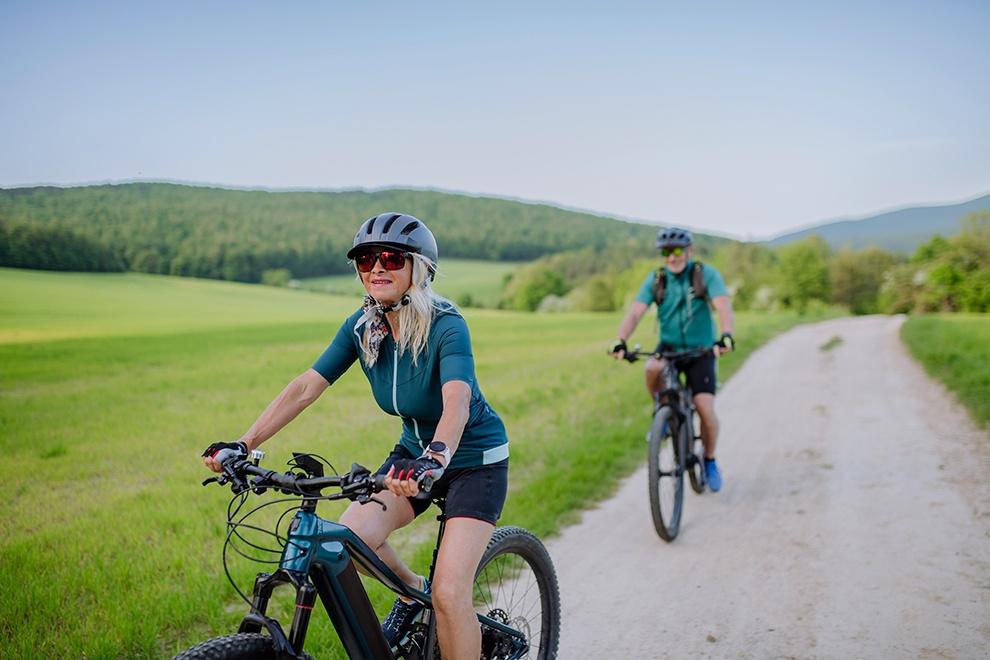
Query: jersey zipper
<point x="395" y="400"/>
<point x="395" y="378"/>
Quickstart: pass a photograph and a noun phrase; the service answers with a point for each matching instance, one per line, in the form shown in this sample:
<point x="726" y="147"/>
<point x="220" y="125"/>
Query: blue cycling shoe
<point x="397" y="623"/>
<point x="713" y="475"/>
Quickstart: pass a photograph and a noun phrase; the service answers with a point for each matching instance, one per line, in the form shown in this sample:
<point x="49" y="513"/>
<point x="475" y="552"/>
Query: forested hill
<point x="238" y="234"/>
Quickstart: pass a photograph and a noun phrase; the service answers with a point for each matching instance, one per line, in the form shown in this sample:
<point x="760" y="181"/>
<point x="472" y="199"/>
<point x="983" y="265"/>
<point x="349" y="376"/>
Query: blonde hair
<point x="416" y="318"/>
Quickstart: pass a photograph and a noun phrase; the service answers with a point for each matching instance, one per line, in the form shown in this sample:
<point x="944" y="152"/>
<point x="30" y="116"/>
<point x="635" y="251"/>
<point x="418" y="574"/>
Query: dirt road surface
<point x="854" y="521"/>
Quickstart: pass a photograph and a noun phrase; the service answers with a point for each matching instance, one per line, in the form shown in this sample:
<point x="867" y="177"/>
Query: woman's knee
<point x="451" y="595"/>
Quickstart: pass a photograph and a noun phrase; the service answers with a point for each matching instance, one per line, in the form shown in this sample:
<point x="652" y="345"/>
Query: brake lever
<point x="365" y="499"/>
<point x="211" y="480"/>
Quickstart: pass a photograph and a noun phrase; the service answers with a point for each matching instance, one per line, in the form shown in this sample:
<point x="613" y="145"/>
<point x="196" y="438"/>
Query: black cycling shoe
<point x="401" y="617"/>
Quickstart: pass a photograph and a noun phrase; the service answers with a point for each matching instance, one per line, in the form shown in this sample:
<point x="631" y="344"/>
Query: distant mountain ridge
<point x="902" y="230"/>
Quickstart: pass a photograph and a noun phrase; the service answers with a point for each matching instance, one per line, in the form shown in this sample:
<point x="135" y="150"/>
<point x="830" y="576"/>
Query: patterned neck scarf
<point x="374" y="318"/>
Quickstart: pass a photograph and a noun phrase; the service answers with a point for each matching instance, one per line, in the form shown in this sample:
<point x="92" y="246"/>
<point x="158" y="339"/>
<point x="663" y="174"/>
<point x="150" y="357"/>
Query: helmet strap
<point x="391" y="307"/>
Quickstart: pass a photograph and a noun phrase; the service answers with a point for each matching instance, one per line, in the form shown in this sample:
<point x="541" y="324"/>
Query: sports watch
<point x="438" y="447"/>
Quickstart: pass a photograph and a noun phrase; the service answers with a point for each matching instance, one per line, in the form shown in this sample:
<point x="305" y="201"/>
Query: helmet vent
<point x="390" y="222"/>
<point x="410" y="228"/>
<point x="371" y="225"/>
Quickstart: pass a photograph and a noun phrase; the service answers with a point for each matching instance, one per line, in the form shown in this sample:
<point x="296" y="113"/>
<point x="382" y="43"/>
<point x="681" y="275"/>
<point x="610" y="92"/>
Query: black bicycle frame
<point x="319" y="559"/>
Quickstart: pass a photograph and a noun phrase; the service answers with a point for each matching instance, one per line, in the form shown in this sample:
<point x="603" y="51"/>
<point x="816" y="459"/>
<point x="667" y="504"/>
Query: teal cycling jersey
<point x="414" y="393"/>
<point x="685" y="320"/>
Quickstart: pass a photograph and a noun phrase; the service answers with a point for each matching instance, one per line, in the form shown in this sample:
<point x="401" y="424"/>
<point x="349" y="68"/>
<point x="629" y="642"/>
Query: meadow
<point x="461" y="280"/>
<point x="112" y="385"/>
<point x="955" y="349"/>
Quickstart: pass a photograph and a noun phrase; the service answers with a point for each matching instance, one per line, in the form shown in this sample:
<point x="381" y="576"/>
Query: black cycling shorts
<point x="700" y="372"/>
<point x="474" y="492"/>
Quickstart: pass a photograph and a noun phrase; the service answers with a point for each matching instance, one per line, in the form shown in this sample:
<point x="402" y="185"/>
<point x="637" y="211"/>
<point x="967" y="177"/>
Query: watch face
<point x="437" y="446"/>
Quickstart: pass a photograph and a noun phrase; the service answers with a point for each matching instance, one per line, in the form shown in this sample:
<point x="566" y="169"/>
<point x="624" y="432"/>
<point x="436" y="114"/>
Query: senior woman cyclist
<point x="415" y="350"/>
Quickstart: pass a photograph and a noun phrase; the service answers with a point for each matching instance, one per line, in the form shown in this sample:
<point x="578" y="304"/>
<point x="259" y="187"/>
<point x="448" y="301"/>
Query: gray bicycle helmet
<point x="396" y="230"/>
<point x="673" y="237"/>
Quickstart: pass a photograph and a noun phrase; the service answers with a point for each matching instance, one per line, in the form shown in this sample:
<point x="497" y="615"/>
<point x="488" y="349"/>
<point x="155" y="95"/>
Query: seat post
<point x="442" y="518"/>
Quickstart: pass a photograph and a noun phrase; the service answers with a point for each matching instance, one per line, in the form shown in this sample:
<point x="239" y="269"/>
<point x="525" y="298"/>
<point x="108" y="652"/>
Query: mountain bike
<point x="674" y="447"/>
<point x="515" y="588"/>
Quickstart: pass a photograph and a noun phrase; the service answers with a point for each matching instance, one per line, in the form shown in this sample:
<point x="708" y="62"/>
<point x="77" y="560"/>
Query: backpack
<point x="698" y="286"/>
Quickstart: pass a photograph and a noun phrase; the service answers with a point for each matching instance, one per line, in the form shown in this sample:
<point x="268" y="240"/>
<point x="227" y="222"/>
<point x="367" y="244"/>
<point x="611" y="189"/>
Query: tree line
<point x="242" y="234"/>
<point x="944" y="274"/>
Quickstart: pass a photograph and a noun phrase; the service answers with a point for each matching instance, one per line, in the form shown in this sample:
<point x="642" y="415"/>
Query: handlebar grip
<point x="425" y="485"/>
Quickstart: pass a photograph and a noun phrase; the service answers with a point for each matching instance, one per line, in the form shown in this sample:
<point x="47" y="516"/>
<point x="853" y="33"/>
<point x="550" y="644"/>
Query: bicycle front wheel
<point x="516" y="585"/>
<point x="665" y="472"/>
<point x="242" y="646"/>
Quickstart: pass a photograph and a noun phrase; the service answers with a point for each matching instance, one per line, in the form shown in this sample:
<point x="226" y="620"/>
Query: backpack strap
<point x="697" y="284"/>
<point x="659" y="286"/>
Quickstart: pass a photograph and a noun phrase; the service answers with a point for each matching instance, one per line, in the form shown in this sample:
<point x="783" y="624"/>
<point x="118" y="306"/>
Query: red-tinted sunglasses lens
<point x="390" y="260"/>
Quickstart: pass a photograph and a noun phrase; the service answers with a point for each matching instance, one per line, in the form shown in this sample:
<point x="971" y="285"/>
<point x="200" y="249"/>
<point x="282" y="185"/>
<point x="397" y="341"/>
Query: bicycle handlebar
<point x="672" y="356"/>
<point x="358" y="484"/>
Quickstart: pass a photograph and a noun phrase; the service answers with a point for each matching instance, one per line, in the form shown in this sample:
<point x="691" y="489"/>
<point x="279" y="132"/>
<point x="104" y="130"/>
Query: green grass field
<point x="111" y="385"/>
<point x="482" y="280"/>
<point x="955" y="349"/>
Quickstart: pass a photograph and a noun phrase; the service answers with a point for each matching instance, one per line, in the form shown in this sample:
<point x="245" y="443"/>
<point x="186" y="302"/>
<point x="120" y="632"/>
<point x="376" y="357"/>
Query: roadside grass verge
<point x="109" y="546"/>
<point x="955" y="349"/>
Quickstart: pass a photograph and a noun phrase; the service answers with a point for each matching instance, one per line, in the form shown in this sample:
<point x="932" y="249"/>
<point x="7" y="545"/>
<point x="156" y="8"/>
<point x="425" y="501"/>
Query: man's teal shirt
<point x="414" y="392"/>
<point x="685" y="320"/>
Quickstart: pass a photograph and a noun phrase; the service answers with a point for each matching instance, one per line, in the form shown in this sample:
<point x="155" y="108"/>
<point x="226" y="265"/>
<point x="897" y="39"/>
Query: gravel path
<point x="854" y="521"/>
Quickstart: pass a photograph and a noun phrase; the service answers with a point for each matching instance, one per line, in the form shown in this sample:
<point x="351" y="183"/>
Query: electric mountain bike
<point x="674" y="447"/>
<point x="515" y="588"/>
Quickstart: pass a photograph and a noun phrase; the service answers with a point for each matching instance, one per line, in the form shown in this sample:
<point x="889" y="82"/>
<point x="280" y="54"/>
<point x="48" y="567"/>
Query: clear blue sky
<point x="746" y="118"/>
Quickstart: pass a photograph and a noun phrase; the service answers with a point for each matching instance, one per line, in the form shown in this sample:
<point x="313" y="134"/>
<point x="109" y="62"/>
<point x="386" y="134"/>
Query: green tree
<point x="857" y="277"/>
<point x="804" y="272"/>
<point x="747" y="268"/>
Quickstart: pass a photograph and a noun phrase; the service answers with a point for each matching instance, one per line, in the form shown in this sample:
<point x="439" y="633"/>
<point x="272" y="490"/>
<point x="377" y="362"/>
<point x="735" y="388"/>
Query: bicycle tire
<point x="241" y="646"/>
<point x="696" y="469"/>
<point x="513" y="563"/>
<point x="665" y="472"/>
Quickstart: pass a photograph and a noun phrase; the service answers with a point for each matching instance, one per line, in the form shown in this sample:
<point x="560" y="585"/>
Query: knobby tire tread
<point x="241" y="646"/>
<point x="519" y="541"/>
<point x="666" y="529"/>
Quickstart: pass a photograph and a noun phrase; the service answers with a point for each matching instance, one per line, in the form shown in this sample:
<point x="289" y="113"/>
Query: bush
<point x="276" y="277"/>
<point x="531" y="285"/>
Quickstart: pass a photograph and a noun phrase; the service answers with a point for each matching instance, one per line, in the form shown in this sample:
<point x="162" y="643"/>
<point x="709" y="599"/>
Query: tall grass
<point x="955" y="349"/>
<point x="111" y="386"/>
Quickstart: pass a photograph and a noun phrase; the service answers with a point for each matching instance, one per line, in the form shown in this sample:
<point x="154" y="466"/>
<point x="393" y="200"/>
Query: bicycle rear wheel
<point x="665" y="472"/>
<point x="516" y="585"/>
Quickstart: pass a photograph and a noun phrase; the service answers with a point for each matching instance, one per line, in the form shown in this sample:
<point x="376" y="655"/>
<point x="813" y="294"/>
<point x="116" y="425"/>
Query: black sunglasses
<point x="390" y="259"/>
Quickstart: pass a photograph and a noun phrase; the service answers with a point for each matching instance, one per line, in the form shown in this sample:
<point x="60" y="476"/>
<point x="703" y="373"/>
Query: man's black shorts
<point x="700" y="372"/>
<point x="474" y="492"/>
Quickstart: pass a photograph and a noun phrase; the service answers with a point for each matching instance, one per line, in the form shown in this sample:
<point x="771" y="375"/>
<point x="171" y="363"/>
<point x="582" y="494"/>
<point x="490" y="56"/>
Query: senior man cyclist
<point x="682" y="289"/>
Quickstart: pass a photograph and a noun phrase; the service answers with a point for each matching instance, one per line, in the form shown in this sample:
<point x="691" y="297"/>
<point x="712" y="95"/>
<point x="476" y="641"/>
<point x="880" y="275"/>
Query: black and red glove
<point x="424" y="471"/>
<point x="221" y="452"/>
